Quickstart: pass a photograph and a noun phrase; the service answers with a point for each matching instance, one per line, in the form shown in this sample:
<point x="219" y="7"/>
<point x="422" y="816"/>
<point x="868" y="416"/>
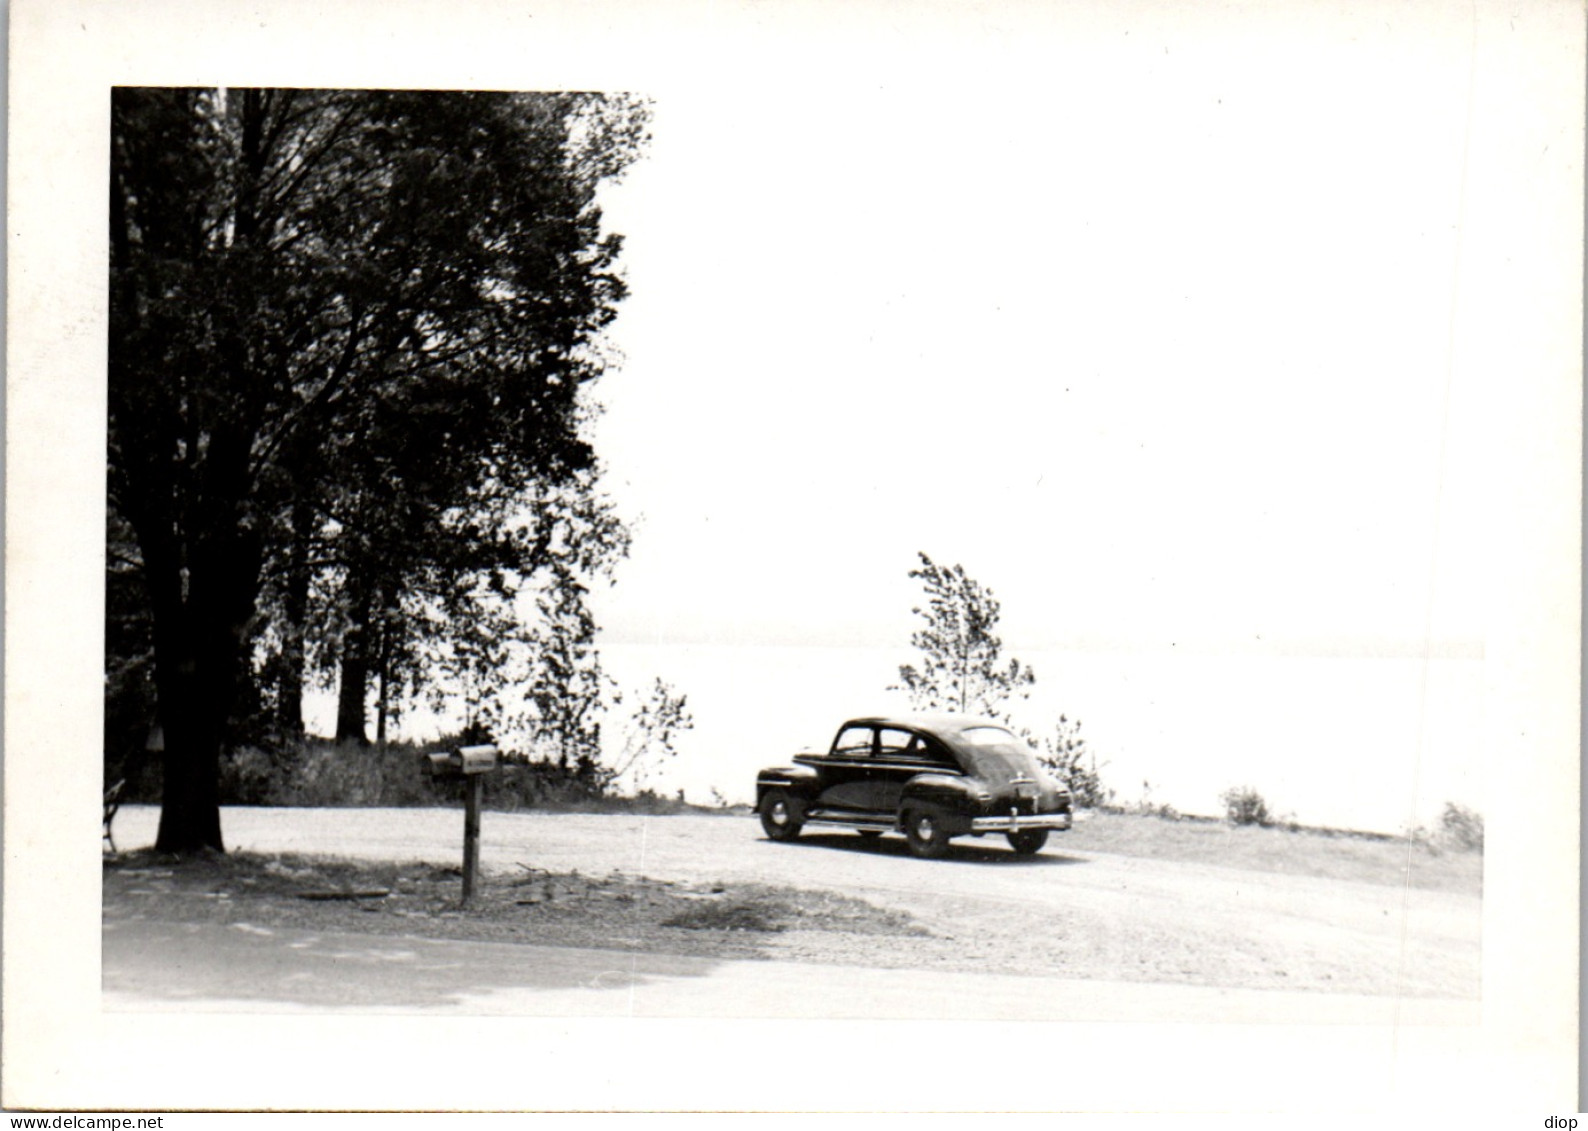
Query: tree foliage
<point x="1065" y="753"/>
<point x="962" y="667"/>
<point x="348" y="332"/>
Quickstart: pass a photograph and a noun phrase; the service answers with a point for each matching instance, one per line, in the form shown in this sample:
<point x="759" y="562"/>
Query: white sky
<point x="1189" y="338"/>
<point x="1166" y="337"/>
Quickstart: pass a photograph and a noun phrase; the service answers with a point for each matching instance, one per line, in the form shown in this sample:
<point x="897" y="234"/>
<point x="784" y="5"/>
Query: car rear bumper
<point x="1009" y="823"/>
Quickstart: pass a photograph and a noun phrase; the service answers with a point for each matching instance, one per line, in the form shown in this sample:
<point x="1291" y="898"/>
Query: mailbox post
<point x="469" y="764"/>
<point x="471" y="834"/>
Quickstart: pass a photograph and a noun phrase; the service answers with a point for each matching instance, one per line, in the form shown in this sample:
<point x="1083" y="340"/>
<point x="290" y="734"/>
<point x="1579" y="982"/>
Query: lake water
<point x="1365" y="743"/>
<point x="1370" y="744"/>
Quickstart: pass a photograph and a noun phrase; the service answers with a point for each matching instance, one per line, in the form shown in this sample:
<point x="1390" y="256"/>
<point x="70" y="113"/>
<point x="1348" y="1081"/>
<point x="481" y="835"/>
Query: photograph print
<point x="1041" y="528"/>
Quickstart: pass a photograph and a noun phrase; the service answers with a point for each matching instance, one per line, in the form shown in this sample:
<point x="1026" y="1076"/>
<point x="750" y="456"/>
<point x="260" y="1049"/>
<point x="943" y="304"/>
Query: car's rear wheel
<point x="1028" y="841"/>
<point x="925" y="834"/>
<point x="782" y="816"/>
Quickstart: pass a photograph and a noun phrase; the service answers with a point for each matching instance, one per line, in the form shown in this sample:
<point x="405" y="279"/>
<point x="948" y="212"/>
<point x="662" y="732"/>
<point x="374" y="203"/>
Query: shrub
<point x="1147" y="807"/>
<point x="1243" y="805"/>
<point x="549" y="785"/>
<point x="322" y="774"/>
<point x="248" y="776"/>
<point x="1461" y="827"/>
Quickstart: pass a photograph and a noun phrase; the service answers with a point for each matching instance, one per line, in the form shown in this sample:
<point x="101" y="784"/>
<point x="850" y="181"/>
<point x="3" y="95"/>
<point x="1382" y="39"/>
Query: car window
<point x="854" y="742"/>
<point x="988" y="736"/>
<point x="928" y="751"/>
<point x="996" y="753"/>
<point x="891" y="742"/>
<point x="917" y="751"/>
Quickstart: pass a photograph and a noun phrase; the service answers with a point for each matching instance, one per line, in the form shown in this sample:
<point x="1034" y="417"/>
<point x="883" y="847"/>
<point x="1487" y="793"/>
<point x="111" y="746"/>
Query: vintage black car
<point x="930" y="777"/>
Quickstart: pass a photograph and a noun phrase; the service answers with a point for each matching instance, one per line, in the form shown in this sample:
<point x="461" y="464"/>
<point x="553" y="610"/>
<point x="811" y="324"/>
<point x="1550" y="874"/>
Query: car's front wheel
<point x="782" y="816"/>
<point x="1028" y="841"/>
<point x="925" y="834"/>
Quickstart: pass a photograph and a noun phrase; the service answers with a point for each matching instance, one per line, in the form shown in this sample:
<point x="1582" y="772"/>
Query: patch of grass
<point x="736" y="916"/>
<point x="1328" y="854"/>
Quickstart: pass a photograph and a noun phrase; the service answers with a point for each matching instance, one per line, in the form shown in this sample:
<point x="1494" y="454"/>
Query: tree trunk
<point x="351" y="693"/>
<point x="381" y="703"/>
<point x="380" y="712"/>
<point x="200" y="617"/>
<point x="387" y="656"/>
<point x="208" y="557"/>
<point x="190" y="813"/>
<point x="295" y="608"/>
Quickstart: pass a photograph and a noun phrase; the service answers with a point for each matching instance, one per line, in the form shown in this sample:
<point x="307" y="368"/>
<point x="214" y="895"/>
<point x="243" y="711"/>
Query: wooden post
<point x="471" y="833"/>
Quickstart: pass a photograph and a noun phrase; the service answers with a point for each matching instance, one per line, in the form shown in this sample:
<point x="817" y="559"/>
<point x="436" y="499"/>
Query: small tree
<point x="565" y="686"/>
<point x="648" y="740"/>
<point x="1065" y="754"/>
<point x="962" y="668"/>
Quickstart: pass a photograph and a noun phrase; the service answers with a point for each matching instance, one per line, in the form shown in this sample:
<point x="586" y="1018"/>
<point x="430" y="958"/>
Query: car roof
<point x="942" y="724"/>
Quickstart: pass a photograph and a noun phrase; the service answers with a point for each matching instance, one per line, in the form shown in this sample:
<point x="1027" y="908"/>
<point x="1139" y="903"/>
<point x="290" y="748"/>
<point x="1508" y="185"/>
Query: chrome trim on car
<point x="827" y="817"/>
<point x="1014" y="823"/>
<point x="829" y="762"/>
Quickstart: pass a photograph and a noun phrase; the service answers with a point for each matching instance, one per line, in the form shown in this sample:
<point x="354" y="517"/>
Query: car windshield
<point x="998" y="754"/>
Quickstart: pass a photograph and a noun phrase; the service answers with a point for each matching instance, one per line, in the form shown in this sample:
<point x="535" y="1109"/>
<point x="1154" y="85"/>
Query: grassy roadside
<point x="256" y="891"/>
<point x="1331" y="854"/>
<point x="1393" y="861"/>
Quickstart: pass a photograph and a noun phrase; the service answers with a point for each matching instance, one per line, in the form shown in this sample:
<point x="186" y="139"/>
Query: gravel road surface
<point x="1065" y="915"/>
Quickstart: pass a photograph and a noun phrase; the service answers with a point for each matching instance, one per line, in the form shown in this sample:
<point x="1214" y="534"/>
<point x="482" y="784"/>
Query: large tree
<point x="962" y="667"/>
<point x="336" y="317"/>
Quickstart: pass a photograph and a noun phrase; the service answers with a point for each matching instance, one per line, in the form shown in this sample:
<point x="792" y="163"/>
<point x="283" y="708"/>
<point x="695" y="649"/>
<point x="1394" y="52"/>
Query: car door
<point x="847" y="769"/>
<point x="902" y="755"/>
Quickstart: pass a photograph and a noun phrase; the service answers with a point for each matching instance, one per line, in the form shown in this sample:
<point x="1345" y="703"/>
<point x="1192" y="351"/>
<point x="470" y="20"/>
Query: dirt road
<point x="1066" y="913"/>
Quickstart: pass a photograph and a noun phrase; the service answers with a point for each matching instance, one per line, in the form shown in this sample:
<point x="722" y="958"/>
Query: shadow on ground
<point x="967" y="851"/>
<point x="174" y="963"/>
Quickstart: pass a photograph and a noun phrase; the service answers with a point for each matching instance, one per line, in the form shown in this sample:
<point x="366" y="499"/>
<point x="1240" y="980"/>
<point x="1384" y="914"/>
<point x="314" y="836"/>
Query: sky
<point x="1192" y="341"/>
<point x="1186" y="368"/>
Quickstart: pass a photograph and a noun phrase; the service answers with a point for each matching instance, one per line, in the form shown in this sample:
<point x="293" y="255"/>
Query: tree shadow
<point x="969" y="850"/>
<point x="194" y="963"/>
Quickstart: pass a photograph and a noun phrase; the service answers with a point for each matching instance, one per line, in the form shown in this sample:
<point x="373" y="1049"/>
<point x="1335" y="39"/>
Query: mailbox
<point x="437" y="765"/>
<point x="462" y="762"/>
<point x="478" y="759"/>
